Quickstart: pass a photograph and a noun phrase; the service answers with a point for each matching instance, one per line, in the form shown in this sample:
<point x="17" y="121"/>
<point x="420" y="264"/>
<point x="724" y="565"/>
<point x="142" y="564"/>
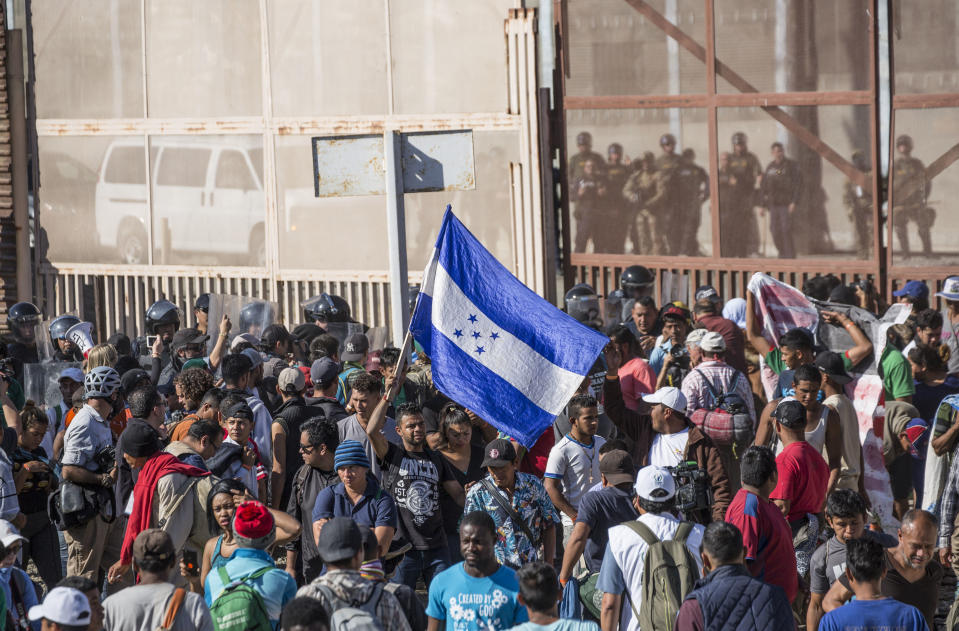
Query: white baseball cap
<point x="653" y="478"/>
<point x="72" y="373"/>
<point x="950" y="288"/>
<point x="695" y="337"/>
<point x="63" y="605"/>
<point x="712" y="342"/>
<point x="670" y="397"/>
<point x="244" y="337"/>
<point x="9" y="535"/>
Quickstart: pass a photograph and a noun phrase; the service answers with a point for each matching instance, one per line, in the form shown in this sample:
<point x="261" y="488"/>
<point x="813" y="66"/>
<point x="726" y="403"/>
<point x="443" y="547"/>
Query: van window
<point x="183" y="166"/>
<point x="233" y="172"/>
<point x="125" y="166"/>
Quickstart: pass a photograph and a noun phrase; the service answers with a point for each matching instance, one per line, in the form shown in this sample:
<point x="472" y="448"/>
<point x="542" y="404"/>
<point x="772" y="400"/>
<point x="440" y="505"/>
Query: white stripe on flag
<point x="455" y="316"/>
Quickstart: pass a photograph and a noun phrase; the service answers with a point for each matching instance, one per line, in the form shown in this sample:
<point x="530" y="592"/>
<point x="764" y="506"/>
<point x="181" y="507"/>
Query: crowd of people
<point x="659" y="199"/>
<point x="288" y="479"/>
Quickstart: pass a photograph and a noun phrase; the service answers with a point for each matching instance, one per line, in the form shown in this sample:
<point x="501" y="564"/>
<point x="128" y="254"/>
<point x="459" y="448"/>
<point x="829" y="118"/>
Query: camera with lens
<point x="693" y="490"/>
<point x="678" y="350"/>
<point x="105" y="459"/>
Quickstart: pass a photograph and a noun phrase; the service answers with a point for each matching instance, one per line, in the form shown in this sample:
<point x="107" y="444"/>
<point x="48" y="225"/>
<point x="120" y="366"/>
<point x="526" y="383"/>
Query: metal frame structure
<point x="114" y="296"/>
<point x="726" y="273"/>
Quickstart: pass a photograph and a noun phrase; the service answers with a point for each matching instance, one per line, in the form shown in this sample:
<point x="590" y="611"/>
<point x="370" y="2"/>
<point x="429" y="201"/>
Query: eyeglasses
<point x="307" y="449"/>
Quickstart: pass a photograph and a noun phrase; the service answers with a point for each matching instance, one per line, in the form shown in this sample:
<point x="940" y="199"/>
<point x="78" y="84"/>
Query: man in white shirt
<point x="622" y="569"/>
<point x="572" y="468"/>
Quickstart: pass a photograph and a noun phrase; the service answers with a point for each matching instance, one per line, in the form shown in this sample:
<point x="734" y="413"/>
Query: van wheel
<point x="258" y="247"/>
<point x="132" y="244"/>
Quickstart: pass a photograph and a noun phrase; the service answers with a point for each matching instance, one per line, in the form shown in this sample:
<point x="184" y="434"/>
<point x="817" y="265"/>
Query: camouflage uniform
<point x="858" y="202"/>
<point x="692" y="189"/>
<point x="617" y="210"/>
<point x="641" y="186"/>
<point x="911" y="190"/>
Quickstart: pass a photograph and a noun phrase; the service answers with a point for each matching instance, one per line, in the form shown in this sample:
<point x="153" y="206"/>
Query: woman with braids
<point x="221" y="505"/>
<point x="35" y="479"/>
<point x="465" y="460"/>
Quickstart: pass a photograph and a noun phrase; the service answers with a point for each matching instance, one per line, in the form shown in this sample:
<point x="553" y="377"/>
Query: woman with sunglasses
<point x="465" y="458"/>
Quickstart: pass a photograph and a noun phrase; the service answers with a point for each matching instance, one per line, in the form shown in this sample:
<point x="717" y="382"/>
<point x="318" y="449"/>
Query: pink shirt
<point x="636" y="378"/>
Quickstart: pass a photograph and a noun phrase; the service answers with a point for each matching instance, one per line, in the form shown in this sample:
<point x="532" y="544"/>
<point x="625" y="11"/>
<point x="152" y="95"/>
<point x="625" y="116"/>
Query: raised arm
<point x="753" y="331"/>
<point x="862" y="348"/>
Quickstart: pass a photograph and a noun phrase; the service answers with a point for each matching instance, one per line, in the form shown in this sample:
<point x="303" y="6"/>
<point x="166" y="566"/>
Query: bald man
<point x="913" y="574"/>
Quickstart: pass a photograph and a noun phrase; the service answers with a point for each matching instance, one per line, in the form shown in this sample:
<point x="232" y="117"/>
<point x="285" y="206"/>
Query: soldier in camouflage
<point x="692" y="190"/>
<point x="618" y="210"/>
<point x="640" y="187"/>
<point x="911" y="191"/>
<point x="858" y="202"/>
<point x="584" y="147"/>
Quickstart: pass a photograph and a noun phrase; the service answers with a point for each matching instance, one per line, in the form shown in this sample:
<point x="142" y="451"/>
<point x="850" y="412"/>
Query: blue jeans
<point x="429" y="563"/>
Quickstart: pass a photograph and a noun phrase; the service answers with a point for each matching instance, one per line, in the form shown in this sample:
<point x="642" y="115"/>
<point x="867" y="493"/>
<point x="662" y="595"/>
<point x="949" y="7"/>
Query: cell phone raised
<point x="191" y="562"/>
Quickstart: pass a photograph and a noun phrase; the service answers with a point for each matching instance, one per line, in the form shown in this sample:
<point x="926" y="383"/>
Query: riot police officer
<point x="63" y="349"/>
<point x="326" y="308"/>
<point x="162" y="320"/>
<point x="255" y="317"/>
<point x="582" y="304"/>
<point x="613" y="238"/>
<point x="911" y="189"/>
<point x="858" y="202"/>
<point x="635" y="282"/>
<point x="738" y="229"/>
<point x="201" y="311"/>
<point x="23" y="319"/>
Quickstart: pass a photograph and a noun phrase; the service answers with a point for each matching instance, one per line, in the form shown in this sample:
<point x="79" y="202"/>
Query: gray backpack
<point x="346" y="617"/>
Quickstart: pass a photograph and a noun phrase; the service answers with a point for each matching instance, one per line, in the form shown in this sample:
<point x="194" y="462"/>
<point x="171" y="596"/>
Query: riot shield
<point x="40" y="382"/>
<point x="343" y="330"/>
<point x="45" y="347"/>
<point x="247" y="315"/>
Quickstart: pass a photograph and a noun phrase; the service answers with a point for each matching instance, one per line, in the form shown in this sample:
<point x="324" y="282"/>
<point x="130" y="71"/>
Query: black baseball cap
<point x="340" y="539"/>
<point x="356" y="346"/>
<point x="498" y="453"/>
<point x="188" y="336"/>
<point x="832" y="364"/>
<point x="618" y="467"/>
<point x="790" y="413"/>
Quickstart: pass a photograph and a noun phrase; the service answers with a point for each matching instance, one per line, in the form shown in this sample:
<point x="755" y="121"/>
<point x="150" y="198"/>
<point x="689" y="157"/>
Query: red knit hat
<point x="253" y="526"/>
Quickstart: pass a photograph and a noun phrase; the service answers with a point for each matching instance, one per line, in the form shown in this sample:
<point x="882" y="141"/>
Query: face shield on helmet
<point x="23" y="318"/>
<point x="582" y="304"/>
<point x="636" y="281"/>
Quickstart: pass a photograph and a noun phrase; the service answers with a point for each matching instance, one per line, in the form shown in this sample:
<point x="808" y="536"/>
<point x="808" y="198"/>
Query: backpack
<point x="345" y="617"/>
<point x="669" y="573"/>
<point x="239" y="607"/>
<point x="727" y="421"/>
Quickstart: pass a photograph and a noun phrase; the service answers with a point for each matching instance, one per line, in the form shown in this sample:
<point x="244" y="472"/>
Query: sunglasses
<point x="307" y="449"/>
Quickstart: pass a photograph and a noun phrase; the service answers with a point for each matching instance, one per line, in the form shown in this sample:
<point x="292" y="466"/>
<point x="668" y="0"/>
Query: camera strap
<point x="504" y="504"/>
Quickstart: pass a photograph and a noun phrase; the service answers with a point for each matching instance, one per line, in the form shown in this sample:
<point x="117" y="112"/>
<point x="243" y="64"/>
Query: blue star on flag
<point x="458" y="332"/>
<point x="477" y="335"/>
<point x="494" y="335"/>
<point x="472" y="318"/>
<point x="480" y="350"/>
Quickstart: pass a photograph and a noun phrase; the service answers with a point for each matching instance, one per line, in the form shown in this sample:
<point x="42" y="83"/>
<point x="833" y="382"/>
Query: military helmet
<point x="636" y="281"/>
<point x="615" y="148"/>
<point x="904" y="139"/>
<point x="667" y="139"/>
<point x="860" y="160"/>
<point x="162" y="312"/>
<point x="584" y="138"/>
<point x="739" y="138"/>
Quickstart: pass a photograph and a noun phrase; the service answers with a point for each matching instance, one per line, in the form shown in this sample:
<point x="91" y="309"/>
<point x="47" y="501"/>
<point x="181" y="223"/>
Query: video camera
<point x="693" y="489"/>
<point x="105" y="459"/>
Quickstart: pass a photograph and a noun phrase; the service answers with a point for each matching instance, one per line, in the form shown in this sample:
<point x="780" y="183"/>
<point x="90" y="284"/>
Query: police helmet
<point x="739" y="138"/>
<point x="906" y="140"/>
<point x="615" y="148"/>
<point x="584" y="138"/>
<point x="636" y="281"/>
<point x="582" y="303"/>
<point x="414" y="292"/>
<point x="162" y="312"/>
<point x="326" y="308"/>
<point x="23" y="317"/>
<point x="202" y="303"/>
<point x="255" y="314"/>
<point x="667" y="139"/>
<point x="60" y="326"/>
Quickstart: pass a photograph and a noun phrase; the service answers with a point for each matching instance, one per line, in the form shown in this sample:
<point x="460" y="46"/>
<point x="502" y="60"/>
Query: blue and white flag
<point x="496" y="347"/>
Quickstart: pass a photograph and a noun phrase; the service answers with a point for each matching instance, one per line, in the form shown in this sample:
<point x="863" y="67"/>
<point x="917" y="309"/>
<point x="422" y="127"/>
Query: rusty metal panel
<point x="437" y="161"/>
<point x="345" y="166"/>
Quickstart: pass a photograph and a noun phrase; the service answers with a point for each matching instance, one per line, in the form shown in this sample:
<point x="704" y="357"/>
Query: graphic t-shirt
<point x="873" y="615"/>
<point x="414" y="480"/>
<point x="467" y="603"/>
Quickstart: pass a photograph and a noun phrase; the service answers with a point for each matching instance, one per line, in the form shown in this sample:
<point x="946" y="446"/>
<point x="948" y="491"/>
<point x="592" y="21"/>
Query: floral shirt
<point x="531" y="503"/>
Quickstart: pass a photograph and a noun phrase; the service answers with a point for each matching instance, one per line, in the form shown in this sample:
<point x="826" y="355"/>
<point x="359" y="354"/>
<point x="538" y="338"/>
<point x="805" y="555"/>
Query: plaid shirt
<point x="949" y="503"/>
<point x="721" y="375"/>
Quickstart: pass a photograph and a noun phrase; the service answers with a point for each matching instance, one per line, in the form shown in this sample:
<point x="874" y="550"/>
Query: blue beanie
<point x="350" y="452"/>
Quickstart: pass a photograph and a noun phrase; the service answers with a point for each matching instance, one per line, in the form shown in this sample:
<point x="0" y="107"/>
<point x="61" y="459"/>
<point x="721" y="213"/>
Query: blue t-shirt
<point x="476" y="604"/>
<point x="887" y="614"/>
<point x="559" y="625"/>
<point x="601" y="510"/>
<point x="375" y="508"/>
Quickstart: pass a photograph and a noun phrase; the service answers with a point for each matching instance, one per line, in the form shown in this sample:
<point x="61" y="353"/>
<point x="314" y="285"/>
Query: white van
<point x="209" y="191"/>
